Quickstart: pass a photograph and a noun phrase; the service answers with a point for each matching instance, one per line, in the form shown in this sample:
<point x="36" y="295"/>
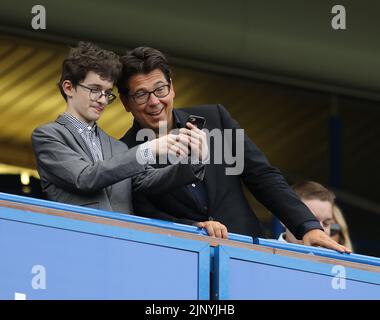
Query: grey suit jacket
<point x="69" y="174"/>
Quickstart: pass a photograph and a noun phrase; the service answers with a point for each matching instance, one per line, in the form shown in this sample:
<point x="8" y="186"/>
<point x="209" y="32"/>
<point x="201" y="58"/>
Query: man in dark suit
<point x="146" y="90"/>
<point x="80" y="164"/>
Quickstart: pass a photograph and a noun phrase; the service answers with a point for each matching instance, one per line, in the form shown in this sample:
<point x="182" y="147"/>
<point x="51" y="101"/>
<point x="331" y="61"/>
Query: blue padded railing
<point x="353" y="257"/>
<point x="117" y="216"/>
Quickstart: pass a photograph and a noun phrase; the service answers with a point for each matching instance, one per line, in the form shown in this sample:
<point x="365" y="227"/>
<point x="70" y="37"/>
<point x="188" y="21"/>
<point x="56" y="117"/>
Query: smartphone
<point x="197" y="121"/>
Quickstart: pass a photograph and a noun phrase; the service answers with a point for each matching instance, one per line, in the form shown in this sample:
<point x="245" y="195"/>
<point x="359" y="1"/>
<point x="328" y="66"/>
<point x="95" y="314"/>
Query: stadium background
<point x="307" y="95"/>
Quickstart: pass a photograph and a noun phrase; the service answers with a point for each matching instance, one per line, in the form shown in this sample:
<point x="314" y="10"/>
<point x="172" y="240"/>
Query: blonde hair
<point x="344" y="236"/>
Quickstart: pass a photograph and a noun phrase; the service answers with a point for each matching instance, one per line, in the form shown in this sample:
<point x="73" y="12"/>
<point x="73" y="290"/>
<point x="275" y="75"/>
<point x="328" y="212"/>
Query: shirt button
<point x="93" y="143"/>
<point x="193" y="185"/>
<point x="88" y="128"/>
<point x="205" y="208"/>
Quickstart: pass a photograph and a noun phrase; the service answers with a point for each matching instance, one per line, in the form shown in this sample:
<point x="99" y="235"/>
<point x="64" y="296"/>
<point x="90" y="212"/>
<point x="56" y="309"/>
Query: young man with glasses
<point x="80" y="164"/>
<point x="218" y="202"/>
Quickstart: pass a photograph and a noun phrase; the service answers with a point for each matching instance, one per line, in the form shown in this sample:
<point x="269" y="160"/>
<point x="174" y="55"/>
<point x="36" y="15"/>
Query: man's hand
<point x="318" y="238"/>
<point x="174" y="145"/>
<point x="214" y="229"/>
<point x="198" y="143"/>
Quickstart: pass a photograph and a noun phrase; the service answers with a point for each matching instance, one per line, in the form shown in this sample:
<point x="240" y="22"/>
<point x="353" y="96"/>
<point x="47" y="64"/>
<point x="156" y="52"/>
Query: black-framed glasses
<point x="96" y="94"/>
<point x="334" y="229"/>
<point x="142" y="97"/>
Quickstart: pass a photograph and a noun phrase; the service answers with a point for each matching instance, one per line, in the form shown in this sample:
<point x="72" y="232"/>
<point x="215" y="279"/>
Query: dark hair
<point x="141" y="60"/>
<point x="310" y="190"/>
<point x="89" y="57"/>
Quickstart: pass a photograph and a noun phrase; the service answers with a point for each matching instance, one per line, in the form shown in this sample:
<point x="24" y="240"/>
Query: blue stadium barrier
<point x="241" y="274"/>
<point x="117" y="216"/>
<point x="51" y="250"/>
<point x="318" y="251"/>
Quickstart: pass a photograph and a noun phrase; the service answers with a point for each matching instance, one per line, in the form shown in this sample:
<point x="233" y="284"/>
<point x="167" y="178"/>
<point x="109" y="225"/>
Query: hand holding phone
<point x="197" y="121"/>
<point x="198" y="146"/>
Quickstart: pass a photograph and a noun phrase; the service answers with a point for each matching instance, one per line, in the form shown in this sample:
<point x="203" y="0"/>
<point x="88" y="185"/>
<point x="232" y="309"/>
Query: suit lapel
<point x="107" y="153"/>
<point x="63" y="121"/>
<point x="182" y="117"/>
<point x="105" y="144"/>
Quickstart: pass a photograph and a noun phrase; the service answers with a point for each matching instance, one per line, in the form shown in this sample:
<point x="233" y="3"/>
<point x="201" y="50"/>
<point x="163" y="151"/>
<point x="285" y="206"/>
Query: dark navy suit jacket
<point x="226" y="200"/>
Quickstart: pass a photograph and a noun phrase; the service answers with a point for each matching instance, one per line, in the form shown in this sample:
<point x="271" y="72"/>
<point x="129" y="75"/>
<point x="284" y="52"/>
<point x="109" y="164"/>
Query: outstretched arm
<point x="318" y="238"/>
<point x="67" y="167"/>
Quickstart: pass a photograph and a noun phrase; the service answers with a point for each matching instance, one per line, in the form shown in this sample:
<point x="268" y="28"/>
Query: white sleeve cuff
<point x="144" y="154"/>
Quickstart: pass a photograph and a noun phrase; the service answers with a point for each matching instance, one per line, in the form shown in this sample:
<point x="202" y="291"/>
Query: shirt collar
<point x="79" y="124"/>
<point x="282" y="237"/>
